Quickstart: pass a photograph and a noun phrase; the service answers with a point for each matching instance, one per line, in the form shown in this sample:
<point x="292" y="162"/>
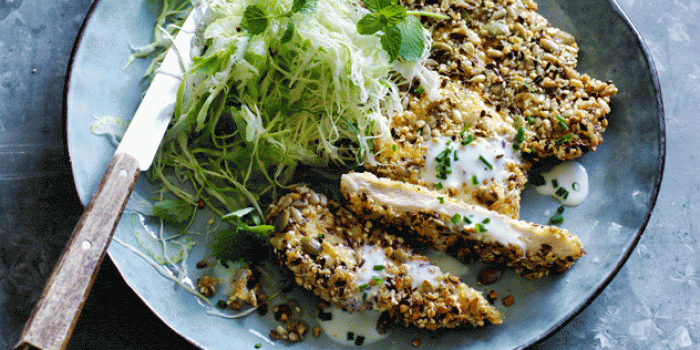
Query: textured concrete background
<point x="651" y="304"/>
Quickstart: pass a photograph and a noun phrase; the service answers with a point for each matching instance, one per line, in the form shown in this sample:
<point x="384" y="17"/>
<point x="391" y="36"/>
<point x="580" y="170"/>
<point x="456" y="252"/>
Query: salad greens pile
<point x="279" y="84"/>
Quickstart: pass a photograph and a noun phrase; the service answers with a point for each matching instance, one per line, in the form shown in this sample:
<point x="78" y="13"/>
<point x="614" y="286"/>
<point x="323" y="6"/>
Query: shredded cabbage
<point x="252" y="108"/>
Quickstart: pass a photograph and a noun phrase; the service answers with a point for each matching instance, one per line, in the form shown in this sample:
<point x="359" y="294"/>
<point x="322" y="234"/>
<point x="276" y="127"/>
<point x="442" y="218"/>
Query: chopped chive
<point x="480" y="228"/>
<point x="377" y="280"/>
<point x="438" y="186"/>
<point x="364" y="296"/>
<point x="464" y="129"/>
<point x="363" y="286"/>
<point x="325" y="316"/>
<point x="441" y="200"/>
<point x="455" y="218"/>
<point x="320" y="235"/>
<point x="468" y="140"/>
<point x="556" y="219"/>
<point x="561" y="122"/>
<point x="530" y="120"/>
<point x="420" y="90"/>
<point x="359" y="340"/>
<point x="560" y="210"/>
<point x="466" y="219"/>
<point x="475" y="180"/>
<point x="486" y="162"/>
<point x="519" y="138"/>
<point x="574" y="186"/>
<point x="378" y="267"/>
<point x="562" y="193"/>
<point x="555" y="183"/>
<point x="564" y="139"/>
<point x="351" y="336"/>
<point x="258" y="345"/>
<point x="394" y="148"/>
<point x="221" y="304"/>
<point x="486" y="221"/>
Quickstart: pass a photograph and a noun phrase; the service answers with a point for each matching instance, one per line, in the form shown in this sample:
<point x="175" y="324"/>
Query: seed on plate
<point x="282" y="220"/>
<point x="489" y="276"/>
<point x="508" y="300"/>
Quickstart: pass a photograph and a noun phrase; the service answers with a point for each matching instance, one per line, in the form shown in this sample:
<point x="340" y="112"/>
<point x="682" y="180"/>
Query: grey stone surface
<point x="651" y="304"/>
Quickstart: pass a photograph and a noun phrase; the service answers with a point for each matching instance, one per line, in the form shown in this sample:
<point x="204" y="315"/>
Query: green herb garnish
<point x="378" y="267"/>
<point x="558" y="217"/>
<point x="456" y="218"/>
<point x="468" y="139"/>
<point x="486" y="162"/>
<point x="564" y="139"/>
<point x="402" y="32"/>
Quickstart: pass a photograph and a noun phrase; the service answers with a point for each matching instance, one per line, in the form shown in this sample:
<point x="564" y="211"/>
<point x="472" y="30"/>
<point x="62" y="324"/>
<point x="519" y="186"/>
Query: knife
<point x="54" y="316"/>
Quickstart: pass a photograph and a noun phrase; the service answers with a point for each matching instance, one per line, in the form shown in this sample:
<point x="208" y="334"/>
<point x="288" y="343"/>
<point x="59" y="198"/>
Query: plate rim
<point x="659" y="171"/>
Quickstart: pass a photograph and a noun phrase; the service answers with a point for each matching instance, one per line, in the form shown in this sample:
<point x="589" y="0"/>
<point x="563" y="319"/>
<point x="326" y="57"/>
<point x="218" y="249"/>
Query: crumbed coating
<point x="458" y="114"/>
<point x="522" y="65"/>
<point x="322" y="244"/>
<point x="423" y="214"/>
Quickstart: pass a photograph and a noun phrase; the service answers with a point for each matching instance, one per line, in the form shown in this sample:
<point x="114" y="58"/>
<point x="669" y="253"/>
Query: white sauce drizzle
<point x="446" y="262"/>
<point x="373" y="256"/>
<point x="496" y="152"/>
<point x="569" y="176"/>
<point x="362" y="324"/>
<point x="421" y="271"/>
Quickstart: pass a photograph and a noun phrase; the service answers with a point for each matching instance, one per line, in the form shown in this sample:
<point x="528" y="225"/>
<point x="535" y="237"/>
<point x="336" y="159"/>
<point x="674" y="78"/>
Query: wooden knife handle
<point x="56" y="313"/>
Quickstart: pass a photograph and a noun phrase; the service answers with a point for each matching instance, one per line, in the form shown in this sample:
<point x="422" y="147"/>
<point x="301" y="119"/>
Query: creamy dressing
<point x="567" y="182"/>
<point x="446" y="262"/>
<point x="480" y="160"/>
<point x="422" y="271"/>
<point x="360" y="324"/>
<point x="373" y="256"/>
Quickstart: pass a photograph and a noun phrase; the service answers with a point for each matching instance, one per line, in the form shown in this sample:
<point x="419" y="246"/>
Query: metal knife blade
<point x="153" y="115"/>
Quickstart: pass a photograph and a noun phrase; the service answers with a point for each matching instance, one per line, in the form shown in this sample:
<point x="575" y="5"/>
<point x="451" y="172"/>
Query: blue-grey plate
<point x="625" y="174"/>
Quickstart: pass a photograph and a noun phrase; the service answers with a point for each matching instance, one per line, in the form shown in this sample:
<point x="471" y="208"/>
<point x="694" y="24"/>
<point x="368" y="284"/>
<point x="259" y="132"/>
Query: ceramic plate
<point x="624" y="173"/>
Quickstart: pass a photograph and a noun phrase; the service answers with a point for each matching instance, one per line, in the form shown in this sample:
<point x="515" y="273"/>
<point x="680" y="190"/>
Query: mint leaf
<point x="393" y="14"/>
<point x="369" y="24"/>
<point x="288" y="33"/>
<point x="304" y="6"/>
<point x="254" y="20"/>
<point x="391" y="42"/>
<point x="174" y="211"/>
<point x="412" y="40"/>
<point x="376" y="5"/>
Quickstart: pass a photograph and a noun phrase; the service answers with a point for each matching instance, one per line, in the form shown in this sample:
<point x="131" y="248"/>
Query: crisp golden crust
<point x="326" y="247"/>
<point x="523" y="66"/>
<point x="533" y="250"/>
<point x="457" y="114"/>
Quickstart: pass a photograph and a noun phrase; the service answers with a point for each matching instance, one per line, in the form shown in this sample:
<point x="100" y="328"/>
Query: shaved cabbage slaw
<point x="252" y="108"/>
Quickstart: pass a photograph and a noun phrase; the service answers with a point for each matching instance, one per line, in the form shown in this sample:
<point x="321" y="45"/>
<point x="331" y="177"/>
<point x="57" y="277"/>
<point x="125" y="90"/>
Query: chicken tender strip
<point x="468" y="230"/>
<point x="463" y="122"/>
<point x="355" y="266"/>
<point x="522" y="65"/>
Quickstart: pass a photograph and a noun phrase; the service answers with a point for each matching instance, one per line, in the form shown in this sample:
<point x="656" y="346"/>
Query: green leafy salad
<point x="279" y="85"/>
